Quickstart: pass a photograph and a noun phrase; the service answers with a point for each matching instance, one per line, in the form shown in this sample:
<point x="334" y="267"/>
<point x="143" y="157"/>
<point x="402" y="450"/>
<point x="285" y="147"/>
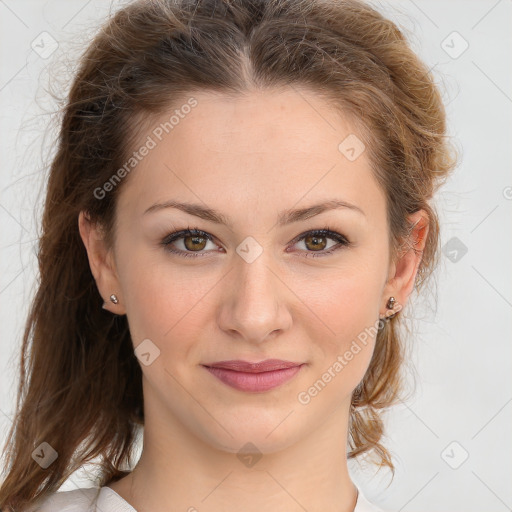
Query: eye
<point x="316" y="241"/>
<point x="191" y="240"/>
<point x="194" y="240"/>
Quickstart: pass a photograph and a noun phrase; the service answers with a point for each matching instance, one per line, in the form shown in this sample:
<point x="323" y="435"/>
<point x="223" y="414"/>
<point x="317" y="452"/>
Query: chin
<point x="267" y="436"/>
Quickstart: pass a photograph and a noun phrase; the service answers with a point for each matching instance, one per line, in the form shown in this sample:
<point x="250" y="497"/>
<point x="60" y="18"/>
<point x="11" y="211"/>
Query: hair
<point x="80" y="387"/>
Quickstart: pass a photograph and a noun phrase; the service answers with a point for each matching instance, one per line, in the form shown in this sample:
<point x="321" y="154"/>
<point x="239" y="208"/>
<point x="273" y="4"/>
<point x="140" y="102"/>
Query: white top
<point x="105" y="499"/>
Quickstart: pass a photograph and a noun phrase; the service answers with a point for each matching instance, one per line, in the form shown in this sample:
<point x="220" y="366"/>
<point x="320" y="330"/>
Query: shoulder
<point x="77" y="500"/>
<point x="363" y="505"/>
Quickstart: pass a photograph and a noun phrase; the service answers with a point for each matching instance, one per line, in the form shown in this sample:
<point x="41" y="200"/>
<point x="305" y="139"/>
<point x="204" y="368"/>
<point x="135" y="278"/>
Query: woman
<point x="238" y="210"/>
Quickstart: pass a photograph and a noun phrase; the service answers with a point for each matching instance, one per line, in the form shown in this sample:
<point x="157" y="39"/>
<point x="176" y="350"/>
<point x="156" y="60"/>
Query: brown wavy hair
<point x="80" y="387"/>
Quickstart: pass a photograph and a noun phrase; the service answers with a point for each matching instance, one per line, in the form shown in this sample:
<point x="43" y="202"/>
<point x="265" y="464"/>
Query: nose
<point x="255" y="304"/>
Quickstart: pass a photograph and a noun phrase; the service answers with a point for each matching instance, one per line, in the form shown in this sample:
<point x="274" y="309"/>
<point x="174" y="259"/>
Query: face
<point x="259" y="284"/>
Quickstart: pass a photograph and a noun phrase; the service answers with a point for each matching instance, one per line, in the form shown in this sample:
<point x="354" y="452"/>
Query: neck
<point x="182" y="472"/>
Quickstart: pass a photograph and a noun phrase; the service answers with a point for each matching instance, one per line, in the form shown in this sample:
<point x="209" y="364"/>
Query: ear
<point x="404" y="269"/>
<point x="102" y="263"/>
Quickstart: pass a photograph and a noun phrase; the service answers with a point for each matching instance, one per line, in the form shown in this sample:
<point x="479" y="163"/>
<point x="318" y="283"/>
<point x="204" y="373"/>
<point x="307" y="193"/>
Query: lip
<point x="254" y="377"/>
<point x="240" y="365"/>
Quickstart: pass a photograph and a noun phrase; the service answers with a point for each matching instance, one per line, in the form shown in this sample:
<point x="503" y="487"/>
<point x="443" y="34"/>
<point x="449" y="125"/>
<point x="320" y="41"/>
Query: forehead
<point x="264" y="149"/>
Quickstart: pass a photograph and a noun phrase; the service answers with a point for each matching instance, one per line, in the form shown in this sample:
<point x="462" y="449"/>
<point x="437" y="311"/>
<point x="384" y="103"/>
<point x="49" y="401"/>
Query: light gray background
<point x="462" y="351"/>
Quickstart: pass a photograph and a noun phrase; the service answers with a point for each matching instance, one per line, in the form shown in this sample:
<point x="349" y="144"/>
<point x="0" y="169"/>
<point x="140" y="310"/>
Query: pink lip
<point x="255" y="377"/>
<point x="245" y="366"/>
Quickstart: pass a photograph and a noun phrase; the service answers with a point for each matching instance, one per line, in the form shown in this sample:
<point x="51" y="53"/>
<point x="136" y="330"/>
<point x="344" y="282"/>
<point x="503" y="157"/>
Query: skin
<point x="249" y="158"/>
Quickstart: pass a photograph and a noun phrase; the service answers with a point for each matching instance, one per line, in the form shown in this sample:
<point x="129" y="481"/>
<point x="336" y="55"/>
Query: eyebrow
<point x="284" y="217"/>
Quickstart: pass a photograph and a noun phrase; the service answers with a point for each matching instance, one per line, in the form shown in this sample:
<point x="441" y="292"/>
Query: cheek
<point x="348" y="310"/>
<point x="345" y="300"/>
<point x="163" y="302"/>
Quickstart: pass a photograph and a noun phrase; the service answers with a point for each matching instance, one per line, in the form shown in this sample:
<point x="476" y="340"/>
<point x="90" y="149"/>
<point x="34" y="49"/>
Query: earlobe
<point x="100" y="260"/>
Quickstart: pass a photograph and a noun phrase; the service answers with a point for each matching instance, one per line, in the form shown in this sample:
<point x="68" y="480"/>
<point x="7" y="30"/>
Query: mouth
<point x="254" y="377"/>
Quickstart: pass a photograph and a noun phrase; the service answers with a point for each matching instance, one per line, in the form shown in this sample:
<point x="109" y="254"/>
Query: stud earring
<point x="391" y="303"/>
<point x="113" y="298"/>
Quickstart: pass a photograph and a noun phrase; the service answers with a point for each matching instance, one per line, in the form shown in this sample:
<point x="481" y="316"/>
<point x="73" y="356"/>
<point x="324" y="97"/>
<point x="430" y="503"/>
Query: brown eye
<point x="195" y="242"/>
<point x="315" y="242"/>
<point x="187" y="242"/>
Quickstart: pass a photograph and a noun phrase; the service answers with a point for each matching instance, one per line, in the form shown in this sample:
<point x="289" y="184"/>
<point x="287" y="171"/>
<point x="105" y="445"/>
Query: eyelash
<point x="324" y="233"/>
